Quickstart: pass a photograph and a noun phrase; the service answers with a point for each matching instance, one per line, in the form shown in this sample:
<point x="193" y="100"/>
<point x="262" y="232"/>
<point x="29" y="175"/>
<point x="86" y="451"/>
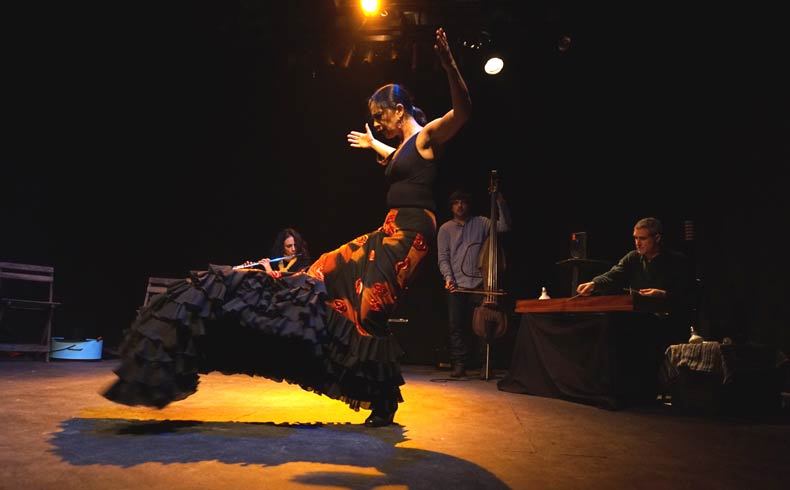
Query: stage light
<point x="493" y="65"/>
<point x="482" y="49"/>
<point x="370" y="7"/>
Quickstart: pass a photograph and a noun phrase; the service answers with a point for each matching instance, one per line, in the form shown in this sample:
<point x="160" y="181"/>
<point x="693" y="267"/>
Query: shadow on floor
<point x="125" y="443"/>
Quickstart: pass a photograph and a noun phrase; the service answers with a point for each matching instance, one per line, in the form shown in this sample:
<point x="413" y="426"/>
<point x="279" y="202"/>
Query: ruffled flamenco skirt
<point x="324" y="330"/>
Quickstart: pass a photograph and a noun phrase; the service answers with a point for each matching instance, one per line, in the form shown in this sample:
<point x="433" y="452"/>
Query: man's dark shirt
<point x="668" y="270"/>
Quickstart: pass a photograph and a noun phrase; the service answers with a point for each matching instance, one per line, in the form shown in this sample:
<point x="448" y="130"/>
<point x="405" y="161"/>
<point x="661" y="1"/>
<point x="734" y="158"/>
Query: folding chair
<point x="19" y="291"/>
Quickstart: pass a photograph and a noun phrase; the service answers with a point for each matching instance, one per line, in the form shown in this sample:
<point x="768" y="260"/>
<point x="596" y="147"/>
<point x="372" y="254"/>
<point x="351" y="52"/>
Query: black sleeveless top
<point x="411" y="178"/>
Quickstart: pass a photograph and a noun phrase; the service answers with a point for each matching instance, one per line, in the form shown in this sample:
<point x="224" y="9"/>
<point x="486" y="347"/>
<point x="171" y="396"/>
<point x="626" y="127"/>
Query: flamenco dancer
<point x="324" y="329"/>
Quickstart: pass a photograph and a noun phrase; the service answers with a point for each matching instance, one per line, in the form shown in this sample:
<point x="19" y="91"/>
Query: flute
<point x="247" y="265"/>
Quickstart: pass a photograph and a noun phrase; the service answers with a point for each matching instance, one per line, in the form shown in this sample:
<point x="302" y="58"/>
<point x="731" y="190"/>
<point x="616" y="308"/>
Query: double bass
<point x="489" y="320"/>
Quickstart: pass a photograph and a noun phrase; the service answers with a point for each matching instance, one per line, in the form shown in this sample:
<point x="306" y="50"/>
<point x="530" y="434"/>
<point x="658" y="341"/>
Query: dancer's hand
<point x="361" y="140"/>
<point x="442" y="48"/>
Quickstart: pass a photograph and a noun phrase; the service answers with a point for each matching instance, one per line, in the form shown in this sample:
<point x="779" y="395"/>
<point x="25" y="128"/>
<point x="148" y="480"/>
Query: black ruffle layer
<point x="242" y="321"/>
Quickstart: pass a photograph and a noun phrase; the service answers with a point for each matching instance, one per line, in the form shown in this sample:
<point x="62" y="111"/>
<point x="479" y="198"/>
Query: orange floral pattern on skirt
<point x="366" y="276"/>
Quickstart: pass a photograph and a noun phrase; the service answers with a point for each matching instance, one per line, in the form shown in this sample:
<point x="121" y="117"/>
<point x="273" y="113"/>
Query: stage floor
<point x="239" y="432"/>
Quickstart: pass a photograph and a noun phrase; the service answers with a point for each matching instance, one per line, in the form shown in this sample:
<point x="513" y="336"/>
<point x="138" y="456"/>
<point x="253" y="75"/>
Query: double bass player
<point x="459" y="243"/>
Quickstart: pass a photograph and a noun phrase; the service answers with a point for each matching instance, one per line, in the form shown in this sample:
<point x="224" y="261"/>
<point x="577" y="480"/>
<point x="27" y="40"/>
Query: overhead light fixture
<point x="370" y="7"/>
<point x="482" y="49"/>
<point x="493" y="65"/>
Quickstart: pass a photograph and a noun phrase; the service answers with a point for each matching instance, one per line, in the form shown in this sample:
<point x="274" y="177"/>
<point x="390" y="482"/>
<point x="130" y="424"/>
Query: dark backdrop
<point x="151" y="139"/>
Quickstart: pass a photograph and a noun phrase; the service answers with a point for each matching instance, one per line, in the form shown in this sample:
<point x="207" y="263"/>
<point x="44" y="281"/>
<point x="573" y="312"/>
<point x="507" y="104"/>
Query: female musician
<point x="290" y="245"/>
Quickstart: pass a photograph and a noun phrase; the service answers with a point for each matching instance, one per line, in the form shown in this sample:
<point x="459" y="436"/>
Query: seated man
<point x="652" y="271"/>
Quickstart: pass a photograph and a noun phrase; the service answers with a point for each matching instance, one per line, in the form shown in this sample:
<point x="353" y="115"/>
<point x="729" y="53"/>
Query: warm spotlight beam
<point x="370" y="7"/>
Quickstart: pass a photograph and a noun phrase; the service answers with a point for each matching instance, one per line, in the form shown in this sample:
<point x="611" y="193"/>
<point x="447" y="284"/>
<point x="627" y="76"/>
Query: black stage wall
<point x="155" y="139"/>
